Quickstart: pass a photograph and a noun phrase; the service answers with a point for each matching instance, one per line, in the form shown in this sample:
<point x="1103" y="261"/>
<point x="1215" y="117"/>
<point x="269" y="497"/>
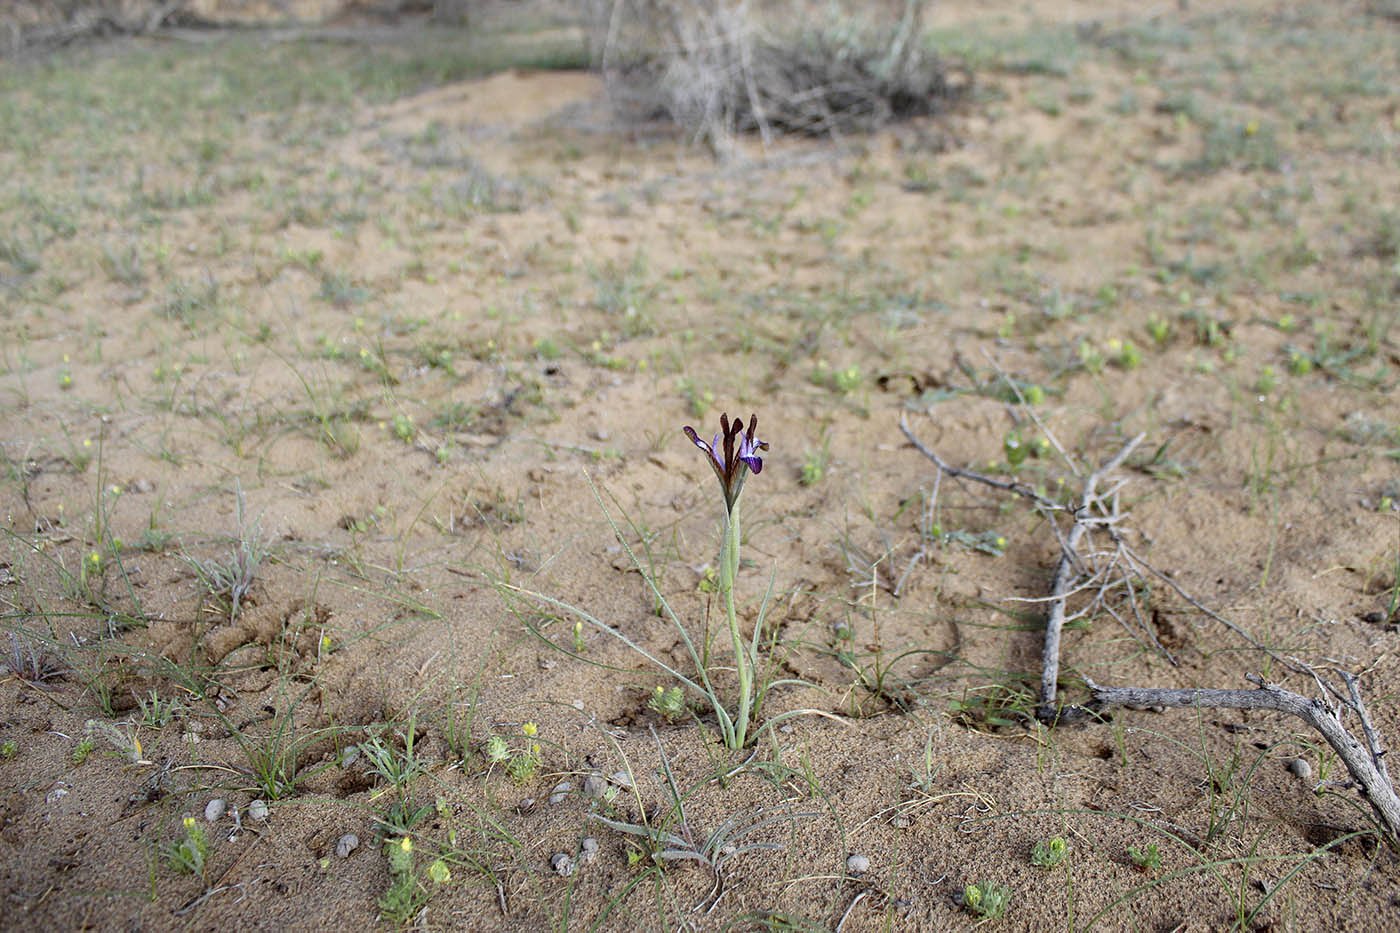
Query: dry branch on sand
<point x="1083" y="568"/>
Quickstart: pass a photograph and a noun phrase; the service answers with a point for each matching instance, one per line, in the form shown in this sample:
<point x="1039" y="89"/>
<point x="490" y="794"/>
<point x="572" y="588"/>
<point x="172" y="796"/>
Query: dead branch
<point x="1366" y="766"/>
<point x="1073" y="573"/>
<point x="1078" y="571"/>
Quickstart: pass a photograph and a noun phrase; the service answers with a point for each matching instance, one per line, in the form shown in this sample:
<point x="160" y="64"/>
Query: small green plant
<point x="406" y="896"/>
<point x="697" y="400"/>
<point x="985" y="900"/>
<point x="395" y="764"/>
<point x="189" y="854"/>
<point x="403" y="427"/>
<point x="82" y="750"/>
<point x="1049" y="853"/>
<point x="1147" y="859"/>
<point x="231" y="579"/>
<point x="1124" y="353"/>
<point x="8" y="749"/>
<point x="814" y="464"/>
<point x="667" y="702"/>
<point x="1159" y="329"/>
<point x="155" y="711"/>
<point x="1090" y="356"/>
<point x="1267" y="381"/>
<point x="521" y="758"/>
<point x="842" y="381"/>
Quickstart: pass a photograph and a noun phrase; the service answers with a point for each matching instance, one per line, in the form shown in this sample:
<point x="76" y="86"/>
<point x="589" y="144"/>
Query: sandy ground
<point x="415" y="330"/>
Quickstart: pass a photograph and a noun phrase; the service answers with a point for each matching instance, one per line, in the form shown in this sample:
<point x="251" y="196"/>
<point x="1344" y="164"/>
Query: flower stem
<point x="728" y="571"/>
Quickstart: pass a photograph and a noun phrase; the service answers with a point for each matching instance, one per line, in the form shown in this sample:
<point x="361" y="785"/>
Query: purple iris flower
<point x="732" y="454"/>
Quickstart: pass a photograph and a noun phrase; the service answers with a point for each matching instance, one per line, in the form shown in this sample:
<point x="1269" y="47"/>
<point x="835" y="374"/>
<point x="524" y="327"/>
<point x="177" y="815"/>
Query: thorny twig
<point x="1366" y="764"/>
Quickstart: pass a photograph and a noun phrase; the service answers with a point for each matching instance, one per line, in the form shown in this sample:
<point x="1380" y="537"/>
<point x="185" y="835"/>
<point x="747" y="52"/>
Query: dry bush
<point x="721" y="67"/>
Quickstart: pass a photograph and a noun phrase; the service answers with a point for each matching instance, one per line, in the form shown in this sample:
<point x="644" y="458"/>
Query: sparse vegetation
<point x="313" y="347"/>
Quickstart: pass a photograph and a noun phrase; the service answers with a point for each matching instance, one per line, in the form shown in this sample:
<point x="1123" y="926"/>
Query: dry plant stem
<point x="1367" y="767"/>
<point x="1090" y="511"/>
<point x="1065" y="573"/>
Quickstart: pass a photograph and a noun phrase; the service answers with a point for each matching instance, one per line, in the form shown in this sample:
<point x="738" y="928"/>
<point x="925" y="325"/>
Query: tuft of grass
<point x="231" y="579"/>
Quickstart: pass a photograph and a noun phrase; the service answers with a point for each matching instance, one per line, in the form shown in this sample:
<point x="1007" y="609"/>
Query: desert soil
<point x="392" y="337"/>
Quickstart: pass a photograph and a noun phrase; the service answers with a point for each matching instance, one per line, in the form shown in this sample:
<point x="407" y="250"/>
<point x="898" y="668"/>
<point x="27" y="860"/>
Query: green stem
<point x="728" y="571"/>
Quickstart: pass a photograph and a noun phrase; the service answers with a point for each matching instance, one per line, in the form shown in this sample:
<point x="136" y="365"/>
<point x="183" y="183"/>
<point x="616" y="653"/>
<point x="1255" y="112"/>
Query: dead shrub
<point x="723" y="67"/>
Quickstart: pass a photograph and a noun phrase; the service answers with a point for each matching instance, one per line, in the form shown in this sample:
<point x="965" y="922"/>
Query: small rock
<point x="350" y="756"/>
<point x="589" y="848"/>
<point x="215" y="809"/>
<point x="562" y="864"/>
<point x="1373" y="617"/>
<point x="900" y="821"/>
<point x="560" y="792"/>
<point x="60" y="790"/>
<point x="857" y="864"/>
<point x="1299" y="768"/>
<point x="346" y="844"/>
<point x="258" y="810"/>
<point x="622" y="779"/>
<point x="525" y="805"/>
<point x="594" y="786"/>
<point x="143" y="485"/>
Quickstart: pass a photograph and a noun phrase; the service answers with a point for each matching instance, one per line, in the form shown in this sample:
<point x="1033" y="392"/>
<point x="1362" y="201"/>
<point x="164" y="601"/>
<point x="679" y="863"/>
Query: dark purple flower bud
<point x="732" y="454"/>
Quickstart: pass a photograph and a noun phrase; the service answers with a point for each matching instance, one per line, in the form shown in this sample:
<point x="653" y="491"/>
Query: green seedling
<point x="1147" y="859"/>
<point x="667" y="702"/>
<point x="985" y="900"/>
<point x="1048" y="853"/>
<point x="190" y="853"/>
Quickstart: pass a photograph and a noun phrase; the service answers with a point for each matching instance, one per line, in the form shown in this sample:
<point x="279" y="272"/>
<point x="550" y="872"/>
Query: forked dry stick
<point x="1365" y="763"/>
<point x="1090" y="511"/>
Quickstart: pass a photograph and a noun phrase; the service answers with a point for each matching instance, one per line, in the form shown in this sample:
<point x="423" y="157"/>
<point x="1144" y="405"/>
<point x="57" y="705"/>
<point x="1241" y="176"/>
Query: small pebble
<point x="525" y="805"/>
<point x="562" y="864"/>
<point x="900" y="821"/>
<point x="622" y="779"/>
<point x="350" y="756"/>
<point x="346" y="844"/>
<point x="1300" y="768"/>
<point x="594" y="786"/>
<point x="857" y="864"/>
<point x="561" y="791"/>
<point x="589" y="848"/>
<point x="215" y="809"/>
<point x="258" y="810"/>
